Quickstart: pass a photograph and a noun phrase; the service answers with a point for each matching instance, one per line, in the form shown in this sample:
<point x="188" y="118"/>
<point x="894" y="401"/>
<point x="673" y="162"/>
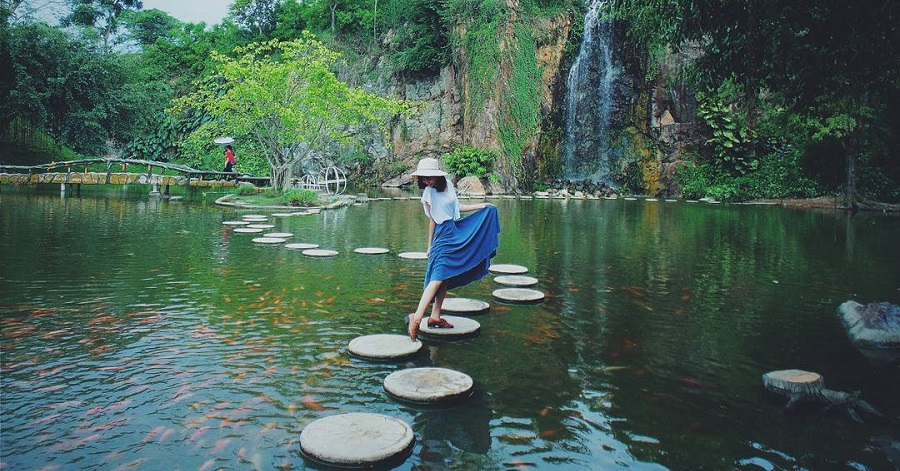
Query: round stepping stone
<point x="462" y="327"/>
<point x="235" y="223"/>
<point x="255" y="217"/>
<point x="384" y="346"/>
<point x="319" y="253"/>
<point x="516" y="280"/>
<point x="465" y="306"/>
<point x="356" y="440"/>
<point x="428" y="385"/>
<point x="371" y="250"/>
<point x="301" y="246"/>
<point x="282" y="215"/>
<point x="518" y="295"/>
<point x="261" y="226"/>
<point x="247" y="230"/>
<point x="508" y="269"/>
<point x="413" y="255"/>
<point x="268" y="240"/>
<point x="280" y="235"/>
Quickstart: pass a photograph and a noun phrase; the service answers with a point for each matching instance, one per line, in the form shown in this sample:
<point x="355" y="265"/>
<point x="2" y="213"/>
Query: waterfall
<point x="589" y="100"/>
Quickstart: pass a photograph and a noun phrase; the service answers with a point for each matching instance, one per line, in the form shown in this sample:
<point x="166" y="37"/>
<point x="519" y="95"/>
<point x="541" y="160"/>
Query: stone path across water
<point x="371" y="250"/>
<point x="508" y="269"/>
<point x="357" y="440"/>
<point x="516" y="280"/>
<point x="465" y="306"/>
<point x="301" y="246"/>
<point x="428" y="385"/>
<point x="462" y="327"/>
<point x="269" y="240"/>
<point x="363" y="440"/>
<point x="518" y="295"/>
<point x="384" y="346"/>
<point x="320" y="253"/>
<point x="247" y="230"/>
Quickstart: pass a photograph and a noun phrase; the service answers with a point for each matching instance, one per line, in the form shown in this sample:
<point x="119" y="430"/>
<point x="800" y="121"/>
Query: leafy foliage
<point x="101" y="15"/>
<point x="258" y="16"/>
<point x="731" y="139"/>
<point x="64" y="88"/>
<point x="421" y="40"/>
<point x="468" y="160"/>
<point x="832" y="65"/>
<point x="284" y="97"/>
<point x="145" y="27"/>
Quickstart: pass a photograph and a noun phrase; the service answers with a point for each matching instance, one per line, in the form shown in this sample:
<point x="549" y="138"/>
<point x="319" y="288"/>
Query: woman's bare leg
<point x="438" y="301"/>
<point x="429" y="293"/>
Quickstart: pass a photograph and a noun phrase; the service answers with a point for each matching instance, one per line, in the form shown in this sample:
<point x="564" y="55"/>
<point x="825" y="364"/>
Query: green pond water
<point x="142" y="334"/>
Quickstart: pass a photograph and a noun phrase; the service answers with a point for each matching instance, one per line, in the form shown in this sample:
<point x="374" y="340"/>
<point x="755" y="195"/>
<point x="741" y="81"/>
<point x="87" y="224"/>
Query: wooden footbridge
<point x="158" y="175"/>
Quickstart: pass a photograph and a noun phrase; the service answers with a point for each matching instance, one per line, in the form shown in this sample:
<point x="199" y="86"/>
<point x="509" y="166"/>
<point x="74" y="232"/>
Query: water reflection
<point x="145" y="334"/>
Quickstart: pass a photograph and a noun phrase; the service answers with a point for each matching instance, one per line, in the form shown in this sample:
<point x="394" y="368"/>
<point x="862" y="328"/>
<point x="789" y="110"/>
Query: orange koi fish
<point x="151" y="435"/>
<point x="199" y="433"/>
<point x="311" y="403"/>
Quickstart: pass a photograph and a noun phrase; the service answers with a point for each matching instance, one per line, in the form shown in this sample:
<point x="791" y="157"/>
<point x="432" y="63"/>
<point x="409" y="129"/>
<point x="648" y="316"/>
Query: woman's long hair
<point x="440" y="184"/>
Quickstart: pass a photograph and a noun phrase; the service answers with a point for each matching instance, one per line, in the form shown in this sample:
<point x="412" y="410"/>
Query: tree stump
<point x="807" y="387"/>
<point x="792" y="382"/>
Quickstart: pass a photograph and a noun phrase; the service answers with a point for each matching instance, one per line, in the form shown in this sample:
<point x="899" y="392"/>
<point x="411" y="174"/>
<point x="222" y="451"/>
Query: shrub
<point x="244" y="190"/>
<point x="467" y="160"/>
<point x="302" y="197"/>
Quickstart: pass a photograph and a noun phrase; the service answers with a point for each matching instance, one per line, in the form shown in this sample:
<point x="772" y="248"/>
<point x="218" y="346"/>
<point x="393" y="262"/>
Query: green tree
<point x="286" y="99"/>
<point x="421" y="43"/>
<point x="290" y="21"/>
<point x="101" y="15"/>
<point x="147" y="26"/>
<point x="835" y="65"/>
<point x="258" y="16"/>
<point x="62" y="86"/>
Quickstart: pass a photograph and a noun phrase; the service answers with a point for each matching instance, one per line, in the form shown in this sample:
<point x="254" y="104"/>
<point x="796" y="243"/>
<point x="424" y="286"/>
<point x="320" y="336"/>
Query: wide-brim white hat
<point x="429" y="167"/>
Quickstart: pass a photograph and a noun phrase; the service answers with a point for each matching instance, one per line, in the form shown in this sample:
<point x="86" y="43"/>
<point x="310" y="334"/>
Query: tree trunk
<point x="333" y="15"/>
<point x="850" y="157"/>
<point x="281" y="177"/>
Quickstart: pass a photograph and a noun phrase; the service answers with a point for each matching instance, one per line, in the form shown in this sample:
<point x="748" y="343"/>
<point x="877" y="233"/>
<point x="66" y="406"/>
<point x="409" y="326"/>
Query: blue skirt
<point x="461" y="250"/>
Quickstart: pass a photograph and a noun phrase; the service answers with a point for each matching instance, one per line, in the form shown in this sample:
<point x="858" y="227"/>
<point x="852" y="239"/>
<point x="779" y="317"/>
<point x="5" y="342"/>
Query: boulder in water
<point x="875" y="325"/>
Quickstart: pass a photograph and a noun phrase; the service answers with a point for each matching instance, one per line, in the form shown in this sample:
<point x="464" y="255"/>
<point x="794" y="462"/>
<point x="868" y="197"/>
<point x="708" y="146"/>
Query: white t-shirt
<point x="444" y="204"/>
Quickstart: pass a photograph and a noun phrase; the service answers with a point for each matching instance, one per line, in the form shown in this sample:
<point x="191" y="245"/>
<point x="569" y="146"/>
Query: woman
<point x="459" y="250"/>
<point x="229" y="162"/>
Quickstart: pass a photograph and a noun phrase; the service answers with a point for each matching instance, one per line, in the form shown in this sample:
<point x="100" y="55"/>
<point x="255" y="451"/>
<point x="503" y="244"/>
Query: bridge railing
<point x="150" y="164"/>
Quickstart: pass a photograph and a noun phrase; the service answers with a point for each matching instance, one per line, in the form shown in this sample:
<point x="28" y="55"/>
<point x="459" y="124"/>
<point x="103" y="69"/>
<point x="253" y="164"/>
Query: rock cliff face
<point x="437" y="127"/>
<point x="654" y="119"/>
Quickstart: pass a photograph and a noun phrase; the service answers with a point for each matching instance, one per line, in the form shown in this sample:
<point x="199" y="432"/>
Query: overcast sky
<point x="192" y="11"/>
